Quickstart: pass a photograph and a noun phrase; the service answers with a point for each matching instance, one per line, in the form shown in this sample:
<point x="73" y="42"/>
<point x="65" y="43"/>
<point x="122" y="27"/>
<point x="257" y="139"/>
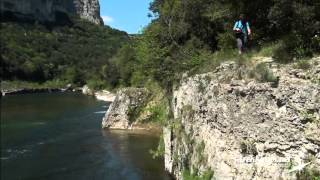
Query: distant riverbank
<point x="21" y="87"/>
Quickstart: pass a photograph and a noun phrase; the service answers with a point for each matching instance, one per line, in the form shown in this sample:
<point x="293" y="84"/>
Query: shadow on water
<point x="59" y="136"/>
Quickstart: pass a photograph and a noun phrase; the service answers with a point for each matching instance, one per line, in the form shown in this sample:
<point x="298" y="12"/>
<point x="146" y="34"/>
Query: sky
<point x="126" y="15"/>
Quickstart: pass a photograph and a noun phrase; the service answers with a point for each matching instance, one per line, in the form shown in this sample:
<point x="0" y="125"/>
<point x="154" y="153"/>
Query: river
<point x="58" y="136"/>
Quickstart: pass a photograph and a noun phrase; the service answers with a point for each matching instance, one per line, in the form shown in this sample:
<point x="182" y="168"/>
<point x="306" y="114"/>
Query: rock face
<point x="89" y="10"/>
<point x="105" y="95"/>
<point x="242" y="129"/>
<point x="125" y="108"/>
<point x="51" y="10"/>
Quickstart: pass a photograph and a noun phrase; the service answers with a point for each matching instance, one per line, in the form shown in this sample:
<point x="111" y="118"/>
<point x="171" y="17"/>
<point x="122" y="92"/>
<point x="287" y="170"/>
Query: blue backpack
<point x="243" y="26"/>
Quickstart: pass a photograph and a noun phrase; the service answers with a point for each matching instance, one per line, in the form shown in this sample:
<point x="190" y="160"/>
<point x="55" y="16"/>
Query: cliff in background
<point x="50" y="10"/>
<point x="89" y="10"/>
<point x="235" y="127"/>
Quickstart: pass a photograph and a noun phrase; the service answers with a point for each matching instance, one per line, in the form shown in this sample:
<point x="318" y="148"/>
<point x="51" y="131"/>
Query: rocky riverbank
<point x="102" y="95"/>
<point x="237" y="127"/>
<point x="135" y="109"/>
<point x="241" y="121"/>
<point x="13" y="91"/>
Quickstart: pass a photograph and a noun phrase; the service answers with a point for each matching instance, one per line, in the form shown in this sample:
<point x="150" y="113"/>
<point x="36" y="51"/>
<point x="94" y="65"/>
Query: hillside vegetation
<point x="79" y="53"/>
<point x="184" y="36"/>
<point x="196" y="35"/>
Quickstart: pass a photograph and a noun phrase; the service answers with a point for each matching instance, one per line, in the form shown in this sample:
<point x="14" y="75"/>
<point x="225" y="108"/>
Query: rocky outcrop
<point x="50" y="10"/>
<point x="239" y="128"/>
<point x="87" y="91"/>
<point x="89" y="10"/>
<point x="105" y="95"/>
<point x="125" y="108"/>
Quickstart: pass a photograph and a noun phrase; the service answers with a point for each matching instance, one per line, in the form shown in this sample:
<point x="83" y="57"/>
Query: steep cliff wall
<point x="51" y="10"/>
<point x="89" y="10"/>
<point x="239" y="128"/>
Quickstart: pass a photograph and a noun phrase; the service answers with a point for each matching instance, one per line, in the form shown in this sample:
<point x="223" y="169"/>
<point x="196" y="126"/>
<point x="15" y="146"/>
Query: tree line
<point x="184" y="36"/>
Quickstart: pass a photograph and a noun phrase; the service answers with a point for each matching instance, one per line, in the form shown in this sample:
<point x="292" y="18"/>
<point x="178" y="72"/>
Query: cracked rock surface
<point x="47" y="10"/>
<point x="125" y="108"/>
<point x="244" y="129"/>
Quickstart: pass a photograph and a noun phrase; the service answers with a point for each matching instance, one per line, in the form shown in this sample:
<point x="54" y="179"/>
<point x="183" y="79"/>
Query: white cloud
<point x="107" y="19"/>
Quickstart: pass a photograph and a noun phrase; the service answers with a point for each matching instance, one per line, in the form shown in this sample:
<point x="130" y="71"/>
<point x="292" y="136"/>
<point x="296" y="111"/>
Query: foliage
<point x="309" y="174"/>
<point x="191" y="36"/>
<point x="248" y="147"/>
<point x="159" y="152"/>
<point x="200" y="153"/>
<point x="75" y="53"/>
<point x="186" y="35"/>
<point x="303" y="64"/>
<point x="263" y="74"/>
<point x="159" y="113"/>
<point x="14" y="85"/>
<point x="268" y="49"/>
<point x="207" y="175"/>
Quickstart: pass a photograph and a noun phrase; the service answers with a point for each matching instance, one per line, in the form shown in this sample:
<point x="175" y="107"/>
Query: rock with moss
<point x="125" y="109"/>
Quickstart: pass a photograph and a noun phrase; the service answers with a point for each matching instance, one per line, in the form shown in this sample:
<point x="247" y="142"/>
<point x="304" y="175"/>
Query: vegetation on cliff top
<point x="196" y="35"/>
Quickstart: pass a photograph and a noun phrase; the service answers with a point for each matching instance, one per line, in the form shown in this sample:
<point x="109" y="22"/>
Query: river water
<point x="58" y="136"/>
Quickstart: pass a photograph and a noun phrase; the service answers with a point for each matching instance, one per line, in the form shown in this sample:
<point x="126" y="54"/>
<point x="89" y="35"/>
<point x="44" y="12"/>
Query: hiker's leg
<point x="239" y="45"/>
<point x="245" y="42"/>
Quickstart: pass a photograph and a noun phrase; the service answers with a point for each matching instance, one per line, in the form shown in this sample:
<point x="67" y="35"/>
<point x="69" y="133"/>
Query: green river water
<point x="58" y="136"/>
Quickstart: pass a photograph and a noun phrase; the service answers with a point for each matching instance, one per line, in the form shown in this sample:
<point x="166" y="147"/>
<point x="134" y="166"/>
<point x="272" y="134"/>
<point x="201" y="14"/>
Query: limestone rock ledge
<point x="244" y="129"/>
<point x="125" y="108"/>
<point x="51" y="10"/>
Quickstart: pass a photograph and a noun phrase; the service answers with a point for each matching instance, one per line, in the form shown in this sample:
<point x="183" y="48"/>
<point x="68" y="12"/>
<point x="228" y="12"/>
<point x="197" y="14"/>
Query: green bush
<point x="268" y="49"/>
<point x="96" y="84"/>
<point x="187" y="175"/>
<point x="283" y="53"/>
<point x="309" y="174"/>
<point x="159" y="152"/>
<point x="226" y="41"/>
<point x="159" y="113"/>
<point x="138" y="79"/>
<point x="303" y="64"/>
<point x="263" y="74"/>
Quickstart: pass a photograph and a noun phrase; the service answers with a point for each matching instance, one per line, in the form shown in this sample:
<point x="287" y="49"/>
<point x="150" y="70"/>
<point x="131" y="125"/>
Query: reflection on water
<point x="58" y="136"/>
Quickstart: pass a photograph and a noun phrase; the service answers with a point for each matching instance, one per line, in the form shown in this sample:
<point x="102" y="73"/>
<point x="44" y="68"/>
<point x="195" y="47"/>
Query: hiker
<point x="242" y="31"/>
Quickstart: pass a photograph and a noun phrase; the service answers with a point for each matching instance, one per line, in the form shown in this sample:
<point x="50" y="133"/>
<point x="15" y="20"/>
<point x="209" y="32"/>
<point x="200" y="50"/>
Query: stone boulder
<point x="125" y="108"/>
<point x="87" y="91"/>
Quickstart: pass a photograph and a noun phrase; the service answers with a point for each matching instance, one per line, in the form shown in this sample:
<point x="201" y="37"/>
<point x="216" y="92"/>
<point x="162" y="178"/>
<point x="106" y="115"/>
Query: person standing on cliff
<point x="242" y="31"/>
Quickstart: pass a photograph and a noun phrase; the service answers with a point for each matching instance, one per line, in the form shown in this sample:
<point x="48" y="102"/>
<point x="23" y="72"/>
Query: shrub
<point x="206" y="175"/>
<point x="159" y="152"/>
<point x="248" y="147"/>
<point x="309" y="174"/>
<point x="303" y="64"/>
<point x="262" y="74"/>
<point x="268" y="50"/>
<point x="138" y="79"/>
<point x="159" y="113"/>
<point x="283" y="54"/>
<point x="226" y="40"/>
<point x="96" y="84"/>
